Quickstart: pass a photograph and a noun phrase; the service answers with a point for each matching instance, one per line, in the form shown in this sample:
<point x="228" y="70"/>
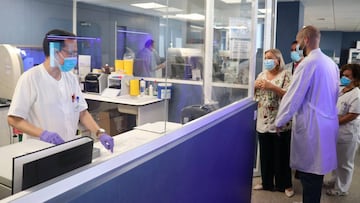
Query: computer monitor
<point x="39" y="166"/>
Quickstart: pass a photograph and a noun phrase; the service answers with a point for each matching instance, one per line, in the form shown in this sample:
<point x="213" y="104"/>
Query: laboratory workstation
<point x="128" y="102"/>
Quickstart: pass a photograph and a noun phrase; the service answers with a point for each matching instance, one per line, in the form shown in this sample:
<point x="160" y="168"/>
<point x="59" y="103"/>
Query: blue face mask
<point x="69" y="64"/>
<point x="345" y="81"/>
<point x="295" y="56"/>
<point x="269" y="64"/>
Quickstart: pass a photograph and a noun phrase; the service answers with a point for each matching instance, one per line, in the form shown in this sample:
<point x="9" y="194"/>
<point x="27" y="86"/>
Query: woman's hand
<point x="263" y="84"/>
<point x="266" y="85"/>
<point x="258" y="84"/>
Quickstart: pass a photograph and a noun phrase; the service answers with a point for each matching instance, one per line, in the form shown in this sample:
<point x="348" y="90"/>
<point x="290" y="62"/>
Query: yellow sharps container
<point x="119" y="66"/>
<point x="134" y="87"/>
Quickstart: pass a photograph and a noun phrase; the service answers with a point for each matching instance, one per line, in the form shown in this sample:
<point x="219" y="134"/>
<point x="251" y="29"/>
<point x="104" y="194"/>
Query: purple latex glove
<point x="107" y="141"/>
<point x="51" y="137"/>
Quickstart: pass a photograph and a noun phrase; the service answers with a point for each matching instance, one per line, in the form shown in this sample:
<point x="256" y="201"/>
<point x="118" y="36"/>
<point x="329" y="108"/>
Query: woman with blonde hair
<point x="270" y="86"/>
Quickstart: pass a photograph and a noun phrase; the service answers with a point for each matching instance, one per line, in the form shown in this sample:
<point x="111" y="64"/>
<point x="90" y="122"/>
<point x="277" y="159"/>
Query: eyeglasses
<point x="70" y="53"/>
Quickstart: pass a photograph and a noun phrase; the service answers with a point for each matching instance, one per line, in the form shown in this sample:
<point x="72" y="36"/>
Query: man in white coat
<point x="311" y="103"/>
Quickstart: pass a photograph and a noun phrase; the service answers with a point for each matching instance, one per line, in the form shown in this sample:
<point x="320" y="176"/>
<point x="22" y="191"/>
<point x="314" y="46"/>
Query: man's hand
<point x="107" y="141"/>
<point x="51" y="137"/>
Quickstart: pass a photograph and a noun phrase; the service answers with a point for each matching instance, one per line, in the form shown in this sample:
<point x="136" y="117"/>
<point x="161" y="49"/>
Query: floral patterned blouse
<point x="269" y="101"/>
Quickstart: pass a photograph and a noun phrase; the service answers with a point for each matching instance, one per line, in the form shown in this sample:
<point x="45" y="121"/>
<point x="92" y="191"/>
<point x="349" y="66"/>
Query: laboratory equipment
<point x="354" y="55"/>
<point x="119" y="81"/>
<point x="193" y="112"/>
<point x="185" y="63"/>
<point x="11" y="67"/>
<point x="95" y="82"/>
<point x="142" y="87"/>
<point x="164" y="90"/>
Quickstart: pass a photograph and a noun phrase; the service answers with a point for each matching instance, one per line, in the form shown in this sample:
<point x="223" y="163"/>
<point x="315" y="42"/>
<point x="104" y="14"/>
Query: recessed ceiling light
<point x="169" y="9"/>
<point x="150" y="5"/>
<point x="191" y="16"/>
<point x="232" y="1"/>
<point x="262" y="10"/>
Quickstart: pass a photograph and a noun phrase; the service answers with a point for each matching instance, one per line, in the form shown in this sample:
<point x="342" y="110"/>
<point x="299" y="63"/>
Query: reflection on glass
<point x="231" y="51"/>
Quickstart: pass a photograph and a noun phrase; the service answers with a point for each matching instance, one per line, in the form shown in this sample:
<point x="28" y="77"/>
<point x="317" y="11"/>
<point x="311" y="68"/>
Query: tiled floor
<point x="279" y="197"/>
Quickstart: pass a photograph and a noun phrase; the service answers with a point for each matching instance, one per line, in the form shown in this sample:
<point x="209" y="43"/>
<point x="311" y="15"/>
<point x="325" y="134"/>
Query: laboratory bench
<point x="146" y="109"/>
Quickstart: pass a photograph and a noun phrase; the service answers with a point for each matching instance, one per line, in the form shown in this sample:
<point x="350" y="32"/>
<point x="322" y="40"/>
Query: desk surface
<point x="132" y="139"/>
<point x="124" y="99"/>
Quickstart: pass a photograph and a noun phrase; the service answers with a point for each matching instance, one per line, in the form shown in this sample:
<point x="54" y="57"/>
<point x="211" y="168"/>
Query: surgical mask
<point x="269" y="64"/>
<point x="69" y="64"/>
<point x="295" y="56"/>
<point x="345" y="81"/>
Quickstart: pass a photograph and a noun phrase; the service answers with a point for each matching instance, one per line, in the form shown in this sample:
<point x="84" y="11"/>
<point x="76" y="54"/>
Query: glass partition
<point x="232" y="50"/>
<point x="203" y="66"/>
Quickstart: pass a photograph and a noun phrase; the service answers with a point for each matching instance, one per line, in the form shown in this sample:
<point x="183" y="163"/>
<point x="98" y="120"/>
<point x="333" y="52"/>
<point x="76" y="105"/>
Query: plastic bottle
<point x="151" y="90"/>
<point x="155" y="88"/>
<point x="142" y="87"/>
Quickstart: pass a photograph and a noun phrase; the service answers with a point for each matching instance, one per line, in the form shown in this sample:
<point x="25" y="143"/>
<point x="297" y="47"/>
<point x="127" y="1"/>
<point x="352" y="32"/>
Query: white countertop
<point x="134" y="138"/>
<point x="124" y="99"/>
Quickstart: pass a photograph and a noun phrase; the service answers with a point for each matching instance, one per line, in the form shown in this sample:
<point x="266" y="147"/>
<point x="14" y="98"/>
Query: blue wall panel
<point x="215" y="165"/>
<point x="330" y="43"/>
<point x="289" y="20"/>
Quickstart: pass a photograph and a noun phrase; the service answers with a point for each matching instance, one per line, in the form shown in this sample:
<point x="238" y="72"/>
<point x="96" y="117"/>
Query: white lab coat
<point x="48" y="103"/>
<point x="311" y="102"/>
<point x="347" y="142"/>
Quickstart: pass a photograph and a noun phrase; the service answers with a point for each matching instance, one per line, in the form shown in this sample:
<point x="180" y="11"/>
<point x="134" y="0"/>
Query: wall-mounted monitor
<point x="39" y="166"/>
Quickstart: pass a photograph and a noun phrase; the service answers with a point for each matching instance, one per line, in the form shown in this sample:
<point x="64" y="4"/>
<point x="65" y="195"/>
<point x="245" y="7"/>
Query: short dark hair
<point x="149" y="43"/>
<point x="294" y="42"/>
<point x="55" y="32"/>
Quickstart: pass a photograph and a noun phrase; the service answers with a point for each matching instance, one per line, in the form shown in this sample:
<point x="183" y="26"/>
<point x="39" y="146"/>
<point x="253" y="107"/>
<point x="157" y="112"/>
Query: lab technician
<point x="147" y="62"/>
<point x="47" y="103"/>
<point x="347" y="143"/>
<point x="311" y="104"/>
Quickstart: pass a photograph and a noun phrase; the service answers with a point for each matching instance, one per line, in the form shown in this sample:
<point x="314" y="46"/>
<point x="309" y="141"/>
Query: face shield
<point x="63" y="54"/>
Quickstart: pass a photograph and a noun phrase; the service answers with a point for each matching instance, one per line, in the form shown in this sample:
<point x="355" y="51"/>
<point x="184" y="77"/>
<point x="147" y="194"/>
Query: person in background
<point x="310" y="102"/>
<point x="147" y="62"/>
<point x="296" y="57"/>
<point x="348" y="106"/>
<point x="47" y="103"/>
<point x="270" y="85"/>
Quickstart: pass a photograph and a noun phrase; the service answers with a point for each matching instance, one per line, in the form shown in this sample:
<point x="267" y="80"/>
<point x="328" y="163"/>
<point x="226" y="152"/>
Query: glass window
<point x="168" y="42"/>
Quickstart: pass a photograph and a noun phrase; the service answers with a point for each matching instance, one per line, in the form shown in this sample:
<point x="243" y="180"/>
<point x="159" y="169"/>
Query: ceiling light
<point x="168" y="9"/>
<point x="261" y="10"/>
<point x="191" y="16"/>
<point x="232" y="1"/>
<point x="150" y="5"/>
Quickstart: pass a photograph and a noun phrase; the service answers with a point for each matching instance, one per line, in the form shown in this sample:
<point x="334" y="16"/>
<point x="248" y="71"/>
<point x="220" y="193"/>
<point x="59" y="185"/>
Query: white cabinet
<point x="354" y="56"/>
<point x="5" y="133"/>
